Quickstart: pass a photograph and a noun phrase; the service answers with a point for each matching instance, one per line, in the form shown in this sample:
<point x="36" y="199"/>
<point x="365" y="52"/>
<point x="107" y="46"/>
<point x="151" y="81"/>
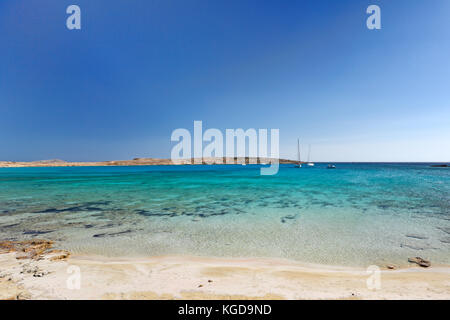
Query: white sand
<point x="188" y="278"/>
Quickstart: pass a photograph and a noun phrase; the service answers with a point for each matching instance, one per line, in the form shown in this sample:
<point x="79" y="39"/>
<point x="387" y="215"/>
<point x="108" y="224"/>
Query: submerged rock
<point x="446" y="230"/>
<point x="36" y="232"/>
<point x="416" y="236"/>
<point x="421" y="262"/>
<point x="409" y="246"/>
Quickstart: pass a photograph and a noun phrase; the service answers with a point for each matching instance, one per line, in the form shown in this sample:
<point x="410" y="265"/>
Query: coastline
<point x="189" y="277"/>
<point x="139" y="162"/>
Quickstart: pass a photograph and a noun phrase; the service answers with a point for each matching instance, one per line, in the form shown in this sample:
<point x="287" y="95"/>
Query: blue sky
<point x="139" y="69"/>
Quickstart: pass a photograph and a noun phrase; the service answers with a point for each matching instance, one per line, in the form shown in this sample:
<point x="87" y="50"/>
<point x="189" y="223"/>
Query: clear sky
<point x="139" y="69"/>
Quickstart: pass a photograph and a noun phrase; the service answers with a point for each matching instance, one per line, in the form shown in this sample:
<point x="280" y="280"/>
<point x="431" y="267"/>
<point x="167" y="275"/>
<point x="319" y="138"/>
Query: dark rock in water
<point x="97" y="203"/>
<point x="290" y="217"/>
<point x="421" y="262"/>
<point x="416" y="236"/>
<point x="99" y="235"/>
<point x="87" y="226"/>
<point x="51" y="210"/>
<point x="120" y="232"/>
<point x="445" y="240"/>
<point x="88" y="206"/>
<point x="35" y="232"/>
<point x="147" y="213"/>
<point x="404" y="245"/>
<point x="446" y="230"/>
<point x="9" y="225"/>
<point x="91" y="209"/>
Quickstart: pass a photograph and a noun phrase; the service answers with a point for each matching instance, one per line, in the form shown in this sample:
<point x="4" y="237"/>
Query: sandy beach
<point x="54" y="276"/>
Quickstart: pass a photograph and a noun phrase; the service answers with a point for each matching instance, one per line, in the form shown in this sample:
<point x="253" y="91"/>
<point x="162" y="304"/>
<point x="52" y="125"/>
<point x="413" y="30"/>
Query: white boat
<point x="299" y="164"/>
<point x="309" y="163"/>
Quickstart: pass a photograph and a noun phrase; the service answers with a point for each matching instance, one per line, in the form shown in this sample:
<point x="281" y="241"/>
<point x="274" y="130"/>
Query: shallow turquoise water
<point x="357" y="214"/>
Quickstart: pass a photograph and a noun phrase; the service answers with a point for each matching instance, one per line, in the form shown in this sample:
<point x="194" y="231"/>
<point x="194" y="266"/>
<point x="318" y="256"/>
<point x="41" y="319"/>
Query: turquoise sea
<point x="357" y="214"/>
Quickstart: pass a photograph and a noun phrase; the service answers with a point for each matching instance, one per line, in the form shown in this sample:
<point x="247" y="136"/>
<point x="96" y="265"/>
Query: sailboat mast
<point x="309" y="151"/>
<point x="298" y="150"/>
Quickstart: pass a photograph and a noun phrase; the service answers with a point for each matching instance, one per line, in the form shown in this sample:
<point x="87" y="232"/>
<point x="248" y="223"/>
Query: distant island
<point x="137" y="162"/>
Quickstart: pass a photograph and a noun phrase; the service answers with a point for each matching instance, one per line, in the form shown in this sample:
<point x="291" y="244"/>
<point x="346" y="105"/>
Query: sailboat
<point x="309" y="163"/>
<point x="299" y="164"/>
